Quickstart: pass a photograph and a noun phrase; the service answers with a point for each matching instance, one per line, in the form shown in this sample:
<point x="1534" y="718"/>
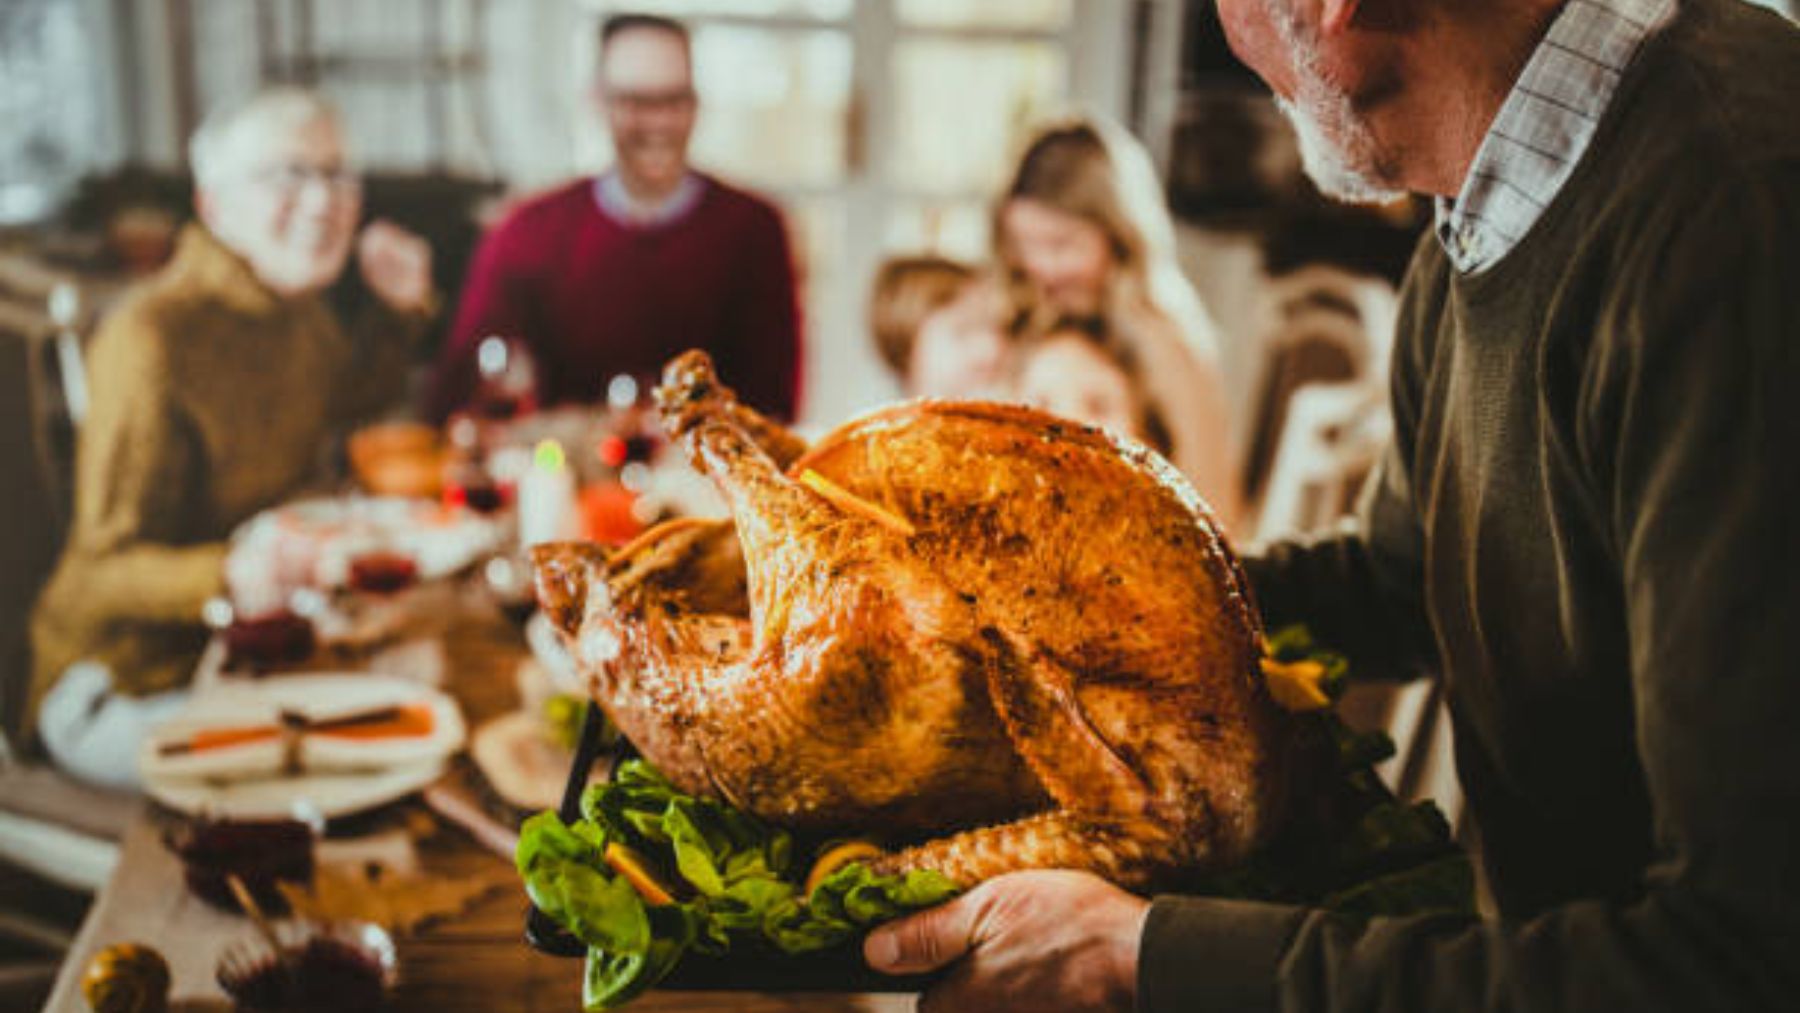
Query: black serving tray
<point x="746" y="969"/>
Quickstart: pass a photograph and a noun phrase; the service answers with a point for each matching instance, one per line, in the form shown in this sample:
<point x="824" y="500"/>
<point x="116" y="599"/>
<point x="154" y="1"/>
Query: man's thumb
<point x="922" y="942"/>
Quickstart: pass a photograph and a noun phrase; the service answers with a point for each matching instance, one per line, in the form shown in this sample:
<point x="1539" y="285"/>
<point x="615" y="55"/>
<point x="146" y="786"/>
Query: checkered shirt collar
<point x="1545" y="126"/>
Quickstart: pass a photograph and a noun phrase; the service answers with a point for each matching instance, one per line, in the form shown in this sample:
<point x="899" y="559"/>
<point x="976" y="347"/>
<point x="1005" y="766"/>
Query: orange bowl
<point x="398" y="459"/>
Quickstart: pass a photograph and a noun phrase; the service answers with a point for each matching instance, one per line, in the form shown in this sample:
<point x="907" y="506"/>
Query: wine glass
<point x="508" y="379"/>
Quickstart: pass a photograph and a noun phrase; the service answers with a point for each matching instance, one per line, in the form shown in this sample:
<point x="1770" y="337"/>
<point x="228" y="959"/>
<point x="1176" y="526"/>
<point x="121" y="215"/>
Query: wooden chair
<point x="50" y="825"/>
<point x="1325" y="327"/>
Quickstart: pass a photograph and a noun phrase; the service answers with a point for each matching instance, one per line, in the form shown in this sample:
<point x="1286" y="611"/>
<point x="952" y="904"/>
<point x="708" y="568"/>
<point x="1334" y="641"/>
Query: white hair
<point x="224" y="147"/>
<point x="1337" y="148"/>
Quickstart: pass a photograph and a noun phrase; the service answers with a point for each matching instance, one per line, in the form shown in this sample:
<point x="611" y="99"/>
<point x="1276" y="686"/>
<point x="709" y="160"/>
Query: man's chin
<point x="658" y="172"/>
<point x="1330" y="168"/>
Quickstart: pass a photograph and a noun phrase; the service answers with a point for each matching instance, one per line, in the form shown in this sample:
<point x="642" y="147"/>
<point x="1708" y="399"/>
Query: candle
<point x="546" y="497"/>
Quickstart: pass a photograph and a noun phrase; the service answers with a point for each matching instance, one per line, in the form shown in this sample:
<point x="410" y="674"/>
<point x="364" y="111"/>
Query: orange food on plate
<point x="415" y="720"/>
<point x="398" y="459"/>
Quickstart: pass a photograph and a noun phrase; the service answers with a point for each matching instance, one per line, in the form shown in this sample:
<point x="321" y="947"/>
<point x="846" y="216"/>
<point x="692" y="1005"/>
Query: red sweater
<point x="592" y="297"/>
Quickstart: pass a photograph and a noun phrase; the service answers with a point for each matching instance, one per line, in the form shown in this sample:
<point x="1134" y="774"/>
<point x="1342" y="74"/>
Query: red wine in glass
<point x="497" y="406"/>
<point x="483" y="497"/>
<point x="267" y="641"/>
<point x="507" y="379"/>
<point x="383" y="572"/>
<point x="262" y="853"/>
<point x="320" y="974"/>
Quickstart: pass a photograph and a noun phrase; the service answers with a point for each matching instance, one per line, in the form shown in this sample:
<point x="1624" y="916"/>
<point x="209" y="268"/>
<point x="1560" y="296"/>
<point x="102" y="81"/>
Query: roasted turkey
<point x="1006" y="640"/>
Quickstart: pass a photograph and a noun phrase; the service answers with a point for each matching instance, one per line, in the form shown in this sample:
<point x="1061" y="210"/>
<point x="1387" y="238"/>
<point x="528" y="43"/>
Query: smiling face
<point x="646" y="91"/>
<point x="961" y="349"/>
<point x="1339" y="142"/>
<point x="1067" y="374"/>
<point x="289" y="208"/>
<point x="1066" y="258"/>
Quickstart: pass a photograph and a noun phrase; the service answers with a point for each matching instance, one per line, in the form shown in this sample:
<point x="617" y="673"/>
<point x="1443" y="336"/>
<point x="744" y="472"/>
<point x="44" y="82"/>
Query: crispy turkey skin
<point x="1035" y="650"/>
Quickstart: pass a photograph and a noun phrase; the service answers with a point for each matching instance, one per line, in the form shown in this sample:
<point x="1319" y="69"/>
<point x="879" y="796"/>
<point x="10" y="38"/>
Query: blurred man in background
<point x="1586" y="525"/>
<point x="214" y="387"/>
<point x="616" y="275"/>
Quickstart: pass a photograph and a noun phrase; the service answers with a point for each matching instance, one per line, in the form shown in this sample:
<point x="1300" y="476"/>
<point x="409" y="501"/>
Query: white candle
<point x="547" y="497"/>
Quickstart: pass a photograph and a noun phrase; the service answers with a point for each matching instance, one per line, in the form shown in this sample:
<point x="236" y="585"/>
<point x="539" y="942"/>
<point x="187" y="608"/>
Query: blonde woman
<point x="1083" y="235"/>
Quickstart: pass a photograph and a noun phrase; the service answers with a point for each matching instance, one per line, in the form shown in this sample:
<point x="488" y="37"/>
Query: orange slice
<point x="636" y="871"/>
<point x="836" y="857"/>
<point x="1295" y="684"/>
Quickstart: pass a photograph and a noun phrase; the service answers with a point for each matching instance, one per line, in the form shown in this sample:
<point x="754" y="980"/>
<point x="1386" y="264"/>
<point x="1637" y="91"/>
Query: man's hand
<point x="396" y="265"/>
<point x="1028" y="940"/>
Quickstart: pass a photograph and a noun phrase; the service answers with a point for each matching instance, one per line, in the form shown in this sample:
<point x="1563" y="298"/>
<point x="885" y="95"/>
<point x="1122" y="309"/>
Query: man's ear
<point x="1335" y="16"/>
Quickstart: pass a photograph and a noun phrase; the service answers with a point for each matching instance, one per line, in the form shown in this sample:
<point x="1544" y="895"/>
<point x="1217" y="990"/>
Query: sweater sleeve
<point x="1357" y="588"/>
<point x="766" y="350"/>
<point x="496" y="299"/>
<point x="1686" y="424"/>
<point x="382" y="341"/>
<point x="140" y="470"/>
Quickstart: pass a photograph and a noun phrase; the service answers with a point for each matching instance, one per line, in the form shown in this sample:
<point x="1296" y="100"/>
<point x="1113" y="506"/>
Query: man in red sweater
<point x="617" y="274"/>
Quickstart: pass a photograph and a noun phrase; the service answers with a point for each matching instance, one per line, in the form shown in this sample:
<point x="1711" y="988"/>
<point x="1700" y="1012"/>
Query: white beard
<point x="1337" y="147"/>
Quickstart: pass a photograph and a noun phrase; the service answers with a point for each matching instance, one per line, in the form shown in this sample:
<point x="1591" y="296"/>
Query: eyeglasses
<point x="294" y="177"/>
<point x="651" y="101"/>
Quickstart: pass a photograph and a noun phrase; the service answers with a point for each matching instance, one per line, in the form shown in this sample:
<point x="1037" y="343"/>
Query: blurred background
<point x="879" y="128"/>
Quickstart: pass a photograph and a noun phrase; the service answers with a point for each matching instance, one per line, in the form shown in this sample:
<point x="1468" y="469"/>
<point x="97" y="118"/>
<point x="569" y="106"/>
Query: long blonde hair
<point x="1092" y="169"/>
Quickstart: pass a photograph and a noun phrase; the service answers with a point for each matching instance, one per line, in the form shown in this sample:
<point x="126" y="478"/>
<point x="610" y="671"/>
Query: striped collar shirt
<point x="1545" y="126"/>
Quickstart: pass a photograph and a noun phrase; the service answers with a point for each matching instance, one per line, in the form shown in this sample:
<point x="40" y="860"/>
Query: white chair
<point x="1321" y="326"/>
<point x="1333" y="435"/>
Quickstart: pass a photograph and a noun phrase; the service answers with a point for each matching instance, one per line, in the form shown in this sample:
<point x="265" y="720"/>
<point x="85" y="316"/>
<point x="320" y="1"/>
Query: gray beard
<point x="1337" y="148"/>
<point x="1337" y="172"/>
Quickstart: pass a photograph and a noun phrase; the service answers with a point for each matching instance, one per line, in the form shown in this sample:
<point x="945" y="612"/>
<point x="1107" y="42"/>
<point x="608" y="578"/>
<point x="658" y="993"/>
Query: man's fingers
<point x="925" y="941"/>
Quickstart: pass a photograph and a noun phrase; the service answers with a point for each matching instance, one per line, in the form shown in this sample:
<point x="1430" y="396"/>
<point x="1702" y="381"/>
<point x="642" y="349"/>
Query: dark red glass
<point x="262" y="853"/>
<point x="270" y="640"/>
<point x="484" y="498"/>
<point x="325" y="974"/>
<point x="640" y="448"/>
<point x="383" y="572"/>
<point x="498" y="406"/>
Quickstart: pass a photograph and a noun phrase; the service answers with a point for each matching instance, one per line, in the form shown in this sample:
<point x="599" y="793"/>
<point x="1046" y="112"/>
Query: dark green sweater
<point x="1587" y="527"/>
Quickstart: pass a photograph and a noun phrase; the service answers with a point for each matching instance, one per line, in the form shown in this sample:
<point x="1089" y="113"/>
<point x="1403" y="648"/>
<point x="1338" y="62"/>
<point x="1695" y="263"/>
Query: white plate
<point x="341" y="775"/>
<point x="330" y="795"/>
<point x="440" y="541"/>
<point x="520" y="763"/>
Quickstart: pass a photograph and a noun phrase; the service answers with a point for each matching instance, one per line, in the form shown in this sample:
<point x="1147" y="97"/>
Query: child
<point x="939" y="327"/>
<point x="1069" y="372"/>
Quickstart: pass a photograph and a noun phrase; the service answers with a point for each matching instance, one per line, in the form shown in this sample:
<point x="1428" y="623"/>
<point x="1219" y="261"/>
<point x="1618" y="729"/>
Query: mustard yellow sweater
<point x="212" y="398"/>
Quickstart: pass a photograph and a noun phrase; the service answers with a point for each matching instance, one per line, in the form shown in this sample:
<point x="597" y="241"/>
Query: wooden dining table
<point x="474" y="958"/>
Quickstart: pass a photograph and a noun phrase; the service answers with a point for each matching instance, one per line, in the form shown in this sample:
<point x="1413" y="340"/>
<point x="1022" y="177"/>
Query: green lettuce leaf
<point x="569" y="880"/>
<point x="855" y="894"/>
<point x="614" y="979"/>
